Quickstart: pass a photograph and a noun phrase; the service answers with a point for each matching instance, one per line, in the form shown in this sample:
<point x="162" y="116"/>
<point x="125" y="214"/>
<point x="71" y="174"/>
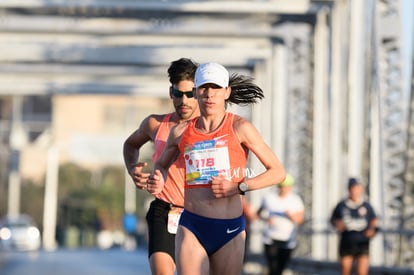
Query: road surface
<point x="75" y="262"/>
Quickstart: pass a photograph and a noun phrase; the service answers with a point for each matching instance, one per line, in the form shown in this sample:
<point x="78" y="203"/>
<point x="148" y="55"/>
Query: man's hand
<point x="140" y="178"/>
<point x="340" y="225"/>
<point x="370" y="232"/>
<point x="155" y="183"/>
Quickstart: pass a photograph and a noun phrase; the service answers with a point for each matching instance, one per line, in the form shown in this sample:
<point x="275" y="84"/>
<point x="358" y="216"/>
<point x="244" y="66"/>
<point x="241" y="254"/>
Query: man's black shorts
<point x="347" y="248"/>
<point x="159" y="239"/>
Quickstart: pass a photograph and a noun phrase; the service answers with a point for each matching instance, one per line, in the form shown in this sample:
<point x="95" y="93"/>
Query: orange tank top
<point x="173" y="191"/>
<point x="212" y="154"/>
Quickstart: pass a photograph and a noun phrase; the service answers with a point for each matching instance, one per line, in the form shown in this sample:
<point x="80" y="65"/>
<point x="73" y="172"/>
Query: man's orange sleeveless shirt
<point x="173" y="191"/>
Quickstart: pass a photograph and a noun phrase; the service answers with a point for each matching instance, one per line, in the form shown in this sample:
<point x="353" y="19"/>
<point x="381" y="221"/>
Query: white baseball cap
<point x="212" y="73"/>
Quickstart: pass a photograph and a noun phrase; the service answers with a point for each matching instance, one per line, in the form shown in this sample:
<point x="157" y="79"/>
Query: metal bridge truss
<point x="334" y="108"/>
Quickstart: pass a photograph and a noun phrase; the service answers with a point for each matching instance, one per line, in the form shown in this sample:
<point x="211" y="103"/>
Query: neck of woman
<point x="207" y="124"/>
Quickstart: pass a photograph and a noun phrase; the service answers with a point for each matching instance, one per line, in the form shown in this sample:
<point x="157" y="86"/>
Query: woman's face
<point x="211" y="97"/>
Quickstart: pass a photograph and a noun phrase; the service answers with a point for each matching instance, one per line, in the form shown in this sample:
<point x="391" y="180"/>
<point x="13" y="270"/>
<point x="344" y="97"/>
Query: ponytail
<point x="243" y="90"/>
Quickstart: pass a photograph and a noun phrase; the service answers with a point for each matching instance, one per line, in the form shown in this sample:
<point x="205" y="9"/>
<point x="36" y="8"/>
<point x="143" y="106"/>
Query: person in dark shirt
<point x="356" y="221"/>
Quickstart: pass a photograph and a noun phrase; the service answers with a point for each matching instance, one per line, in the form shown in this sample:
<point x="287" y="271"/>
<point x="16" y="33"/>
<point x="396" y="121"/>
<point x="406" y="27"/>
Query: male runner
<point x="164" y="211"/>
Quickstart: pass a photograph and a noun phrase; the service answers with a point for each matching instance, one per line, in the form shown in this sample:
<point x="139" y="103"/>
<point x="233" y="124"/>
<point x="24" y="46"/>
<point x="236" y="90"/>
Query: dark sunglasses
<point x="179" y="94"/>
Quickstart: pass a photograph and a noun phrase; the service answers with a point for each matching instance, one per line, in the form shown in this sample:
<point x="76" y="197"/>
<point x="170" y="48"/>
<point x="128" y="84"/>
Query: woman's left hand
<point x="222" y="187"/>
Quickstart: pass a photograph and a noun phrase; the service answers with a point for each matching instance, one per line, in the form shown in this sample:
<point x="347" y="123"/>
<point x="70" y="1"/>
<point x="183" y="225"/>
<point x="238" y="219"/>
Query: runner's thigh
<point x="229" y="258"/>
<point x="191" y="258"/>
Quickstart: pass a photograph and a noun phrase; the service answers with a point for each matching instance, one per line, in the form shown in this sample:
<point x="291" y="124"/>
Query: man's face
<point x="185" y="103"/>
<point x="356" y="191"/>
<point x="283" y="190"/>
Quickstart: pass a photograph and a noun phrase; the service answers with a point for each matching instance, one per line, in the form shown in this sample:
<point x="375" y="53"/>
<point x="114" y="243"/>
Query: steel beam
<point x="226" y="7"/>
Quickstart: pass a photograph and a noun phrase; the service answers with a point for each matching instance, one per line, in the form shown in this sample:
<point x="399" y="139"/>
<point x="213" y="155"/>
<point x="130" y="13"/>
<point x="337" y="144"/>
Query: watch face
<point x="243" y="187"/>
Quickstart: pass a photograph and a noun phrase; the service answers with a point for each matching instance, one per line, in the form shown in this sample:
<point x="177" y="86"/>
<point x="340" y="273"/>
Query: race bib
<point x="206" y="159"/>
<point x="173" y="219"/>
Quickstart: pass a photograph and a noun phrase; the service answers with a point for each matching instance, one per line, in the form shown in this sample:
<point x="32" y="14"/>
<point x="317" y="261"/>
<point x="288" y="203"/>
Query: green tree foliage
<point x="93" y="195"/>
<point x="96" y="197"/>
<point x="87" y="199"/>
<point x="109" y="197"/>
<point x="31" y="198"/>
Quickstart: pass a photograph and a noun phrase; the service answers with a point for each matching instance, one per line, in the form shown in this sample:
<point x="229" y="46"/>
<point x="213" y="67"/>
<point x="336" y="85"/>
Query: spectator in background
<point x="283" y="211"/>
<point x="355" y="220"/>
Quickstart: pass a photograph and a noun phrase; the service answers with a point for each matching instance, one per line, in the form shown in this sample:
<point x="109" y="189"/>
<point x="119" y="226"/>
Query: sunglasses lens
<point x="179" y="94"/>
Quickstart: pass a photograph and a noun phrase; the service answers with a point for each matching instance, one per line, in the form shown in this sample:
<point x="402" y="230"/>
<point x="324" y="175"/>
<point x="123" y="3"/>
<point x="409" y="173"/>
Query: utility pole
<point x="18" y="139"/>
<point x="51" y="198"/>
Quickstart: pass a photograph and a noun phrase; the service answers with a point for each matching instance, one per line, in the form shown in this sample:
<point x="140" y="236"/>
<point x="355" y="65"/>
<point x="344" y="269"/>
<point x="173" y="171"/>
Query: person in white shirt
<point x="283" y="211"/>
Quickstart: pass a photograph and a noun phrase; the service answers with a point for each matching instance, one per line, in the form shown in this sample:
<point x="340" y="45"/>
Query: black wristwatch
<point x="243" y="187"/>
